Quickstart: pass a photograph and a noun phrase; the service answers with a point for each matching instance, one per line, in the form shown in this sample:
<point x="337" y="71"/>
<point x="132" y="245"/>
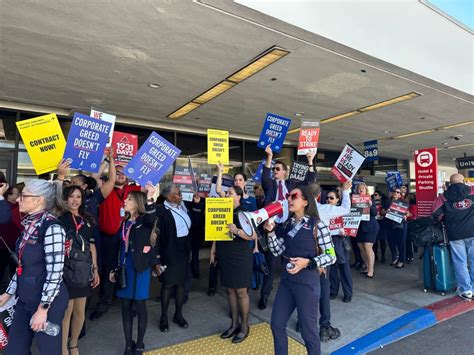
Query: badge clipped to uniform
<point x="122" y="212"/>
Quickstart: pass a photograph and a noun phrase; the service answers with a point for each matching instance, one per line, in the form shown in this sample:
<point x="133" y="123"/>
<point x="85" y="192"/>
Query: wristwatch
<point x="238" y="232"/>
<point x="45" y="306"/>
<point x="312" y="264"/>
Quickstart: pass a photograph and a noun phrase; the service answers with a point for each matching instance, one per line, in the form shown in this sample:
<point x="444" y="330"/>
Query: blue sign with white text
<point x="393" y="180"/>
<point x="274" y="132"/>
<point x="371" y="150"/>
<point x="86" y="142"/>
<point x="152" y="160"/>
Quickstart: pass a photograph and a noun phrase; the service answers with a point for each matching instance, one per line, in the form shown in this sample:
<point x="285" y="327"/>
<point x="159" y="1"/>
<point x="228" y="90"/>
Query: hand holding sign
<point x="63" y="168"/>
<point x="150" y="190"/>
<point x="274" y="132"/>
<point x="268" y="150"/>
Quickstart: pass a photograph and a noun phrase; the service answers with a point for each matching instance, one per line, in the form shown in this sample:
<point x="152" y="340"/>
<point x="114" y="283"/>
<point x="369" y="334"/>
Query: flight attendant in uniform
<point x="305" y="244"/>
<point x="42" y="294"/>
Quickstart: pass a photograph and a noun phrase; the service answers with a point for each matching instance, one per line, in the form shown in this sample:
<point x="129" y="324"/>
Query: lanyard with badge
<point x="126" y="233"/>
<point x="77" y="226"/>
<point x="21" y="248"/>
<point x="121" y="198"/>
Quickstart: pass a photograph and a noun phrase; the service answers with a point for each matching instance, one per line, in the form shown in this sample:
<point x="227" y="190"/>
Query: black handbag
<point x="121" y="276"/>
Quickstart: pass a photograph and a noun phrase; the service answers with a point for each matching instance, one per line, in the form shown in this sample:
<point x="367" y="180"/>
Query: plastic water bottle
<point x="162" y="270"/>
<point x="51" y="329"/>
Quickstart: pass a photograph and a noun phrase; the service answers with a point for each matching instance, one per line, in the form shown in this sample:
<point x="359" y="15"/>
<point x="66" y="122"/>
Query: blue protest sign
<point x="371" y="150"/>
<point x="274" y="132"/>
<point x="257" y="177"/>
<point x="86" y="142"/>
<point x="393" y="180"/>
<point x="152" y="160"/>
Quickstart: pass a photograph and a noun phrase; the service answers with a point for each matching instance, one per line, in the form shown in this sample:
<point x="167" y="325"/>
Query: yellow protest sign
<point x="44" y="141"/>
<point x="217" y="146"/>
<point x="219" y="213"/>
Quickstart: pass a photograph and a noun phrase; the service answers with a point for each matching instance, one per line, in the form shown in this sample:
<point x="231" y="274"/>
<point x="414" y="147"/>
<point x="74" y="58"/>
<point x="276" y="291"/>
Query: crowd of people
<point x="71" y="236"/>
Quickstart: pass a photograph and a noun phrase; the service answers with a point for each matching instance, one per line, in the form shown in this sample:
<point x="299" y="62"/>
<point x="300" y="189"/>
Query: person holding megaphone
<point x="276" y="189"/>
<point x="305" y="245"/>
<point x="235" y="263"/>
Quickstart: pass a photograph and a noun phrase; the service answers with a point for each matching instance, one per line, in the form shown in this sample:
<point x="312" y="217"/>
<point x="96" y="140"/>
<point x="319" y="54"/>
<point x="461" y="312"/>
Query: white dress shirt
<point x="181" y="218"/>
<point x="327" y="211"/>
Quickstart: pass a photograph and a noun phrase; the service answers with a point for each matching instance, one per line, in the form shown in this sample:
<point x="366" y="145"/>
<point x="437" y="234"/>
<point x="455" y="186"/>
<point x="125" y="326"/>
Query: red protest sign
<point x="426" y="175"/>
<point x="362" y="203"/>
<point x="397" y="211"/>
<point x="352" y="222"/>
<point x="125" y="146"/>
<point x="336" y="223"/>
<point x="309" y="137"/>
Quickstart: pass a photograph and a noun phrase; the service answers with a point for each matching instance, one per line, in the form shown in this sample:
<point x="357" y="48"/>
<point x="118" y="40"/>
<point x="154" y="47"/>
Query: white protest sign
<point x="107" y="117"/>
<point x="348" y="163"/>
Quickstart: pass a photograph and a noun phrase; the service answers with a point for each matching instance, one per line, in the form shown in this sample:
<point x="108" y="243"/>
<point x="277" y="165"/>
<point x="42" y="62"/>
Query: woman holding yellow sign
<point x="235" y="262"/>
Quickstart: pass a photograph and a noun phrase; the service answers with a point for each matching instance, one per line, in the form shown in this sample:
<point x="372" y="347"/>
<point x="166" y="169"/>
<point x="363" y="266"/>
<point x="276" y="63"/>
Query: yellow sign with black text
<point x="217" y="146"/>
<point x="44" y="141"/>
<point x="219" y="214"/>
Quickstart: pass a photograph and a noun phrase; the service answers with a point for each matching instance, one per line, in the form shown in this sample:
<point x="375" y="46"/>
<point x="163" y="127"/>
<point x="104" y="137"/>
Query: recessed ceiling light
<point x="387" y="132"/>
<point x="299" y="114"/>
<point x="197" y="118"/>
<point x="363" y="70"/>
<point x="445" y="143"/>
<point x="116" y="71"/>
<point x="273" y="79"/>
<point x="422" y="118"/>
<point x="154" y="85"/>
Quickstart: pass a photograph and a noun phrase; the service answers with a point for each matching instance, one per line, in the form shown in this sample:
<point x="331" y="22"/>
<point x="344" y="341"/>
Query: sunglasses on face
<point x="295" y="195"/>
<point x="330" y="198"/>
<point x="397" y="192"/>
<point x="276" y="168"/>
<point x="119" y="173"/>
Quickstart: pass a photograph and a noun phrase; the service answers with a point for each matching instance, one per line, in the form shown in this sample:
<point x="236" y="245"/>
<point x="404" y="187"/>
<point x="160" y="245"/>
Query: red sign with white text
<point x="336" y="223"/>
<point x="426" y="174"/>
<point x="309" y="137"/>
<point x="125" y="146"/>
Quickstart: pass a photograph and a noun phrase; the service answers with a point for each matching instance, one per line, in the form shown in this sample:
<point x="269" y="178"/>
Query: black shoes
<point x="130" y="350"/>
<point x="180" y="321"/>
<point x="164" y="327"/>
<point x="197" y="276"/>
<point x="329" y="333"/>
<point x="96" y="315"/>
<point x="211" y="292"/>
<point x="262" y="304"/>
<point x="139" y="350"/>
<point x="229" y="333"/>
<point x="346" y="299"/>
<point x="332" y="297"/>
<point x="241" y="336"/>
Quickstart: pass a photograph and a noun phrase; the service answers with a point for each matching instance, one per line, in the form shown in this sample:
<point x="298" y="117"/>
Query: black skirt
<point x="79" y="292"/>
<point x="177" y="265"/>
<point x="235" y="263"/>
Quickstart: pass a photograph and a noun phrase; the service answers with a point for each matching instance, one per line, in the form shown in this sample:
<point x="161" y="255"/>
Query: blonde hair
<point x="365" y="187"/>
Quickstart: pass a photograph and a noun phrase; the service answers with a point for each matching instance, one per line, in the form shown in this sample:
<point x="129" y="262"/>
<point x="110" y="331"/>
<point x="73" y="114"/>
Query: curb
<point x="408" y="324"/>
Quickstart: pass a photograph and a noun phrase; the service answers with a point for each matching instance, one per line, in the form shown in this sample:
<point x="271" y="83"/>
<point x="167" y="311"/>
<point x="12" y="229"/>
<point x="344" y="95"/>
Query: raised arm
<point x="108" y="186"/>
<point x="266" y="179"/>
<point x="220" y="170"/>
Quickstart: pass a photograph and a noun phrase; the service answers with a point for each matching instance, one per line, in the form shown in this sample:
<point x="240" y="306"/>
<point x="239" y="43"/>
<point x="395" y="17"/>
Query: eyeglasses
<point x="276" y="168"/>
<point x="24" y="195"/>
<point x="295" y="195"/>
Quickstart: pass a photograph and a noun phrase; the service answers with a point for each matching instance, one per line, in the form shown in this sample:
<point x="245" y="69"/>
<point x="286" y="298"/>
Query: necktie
<point x="280" y="196"/>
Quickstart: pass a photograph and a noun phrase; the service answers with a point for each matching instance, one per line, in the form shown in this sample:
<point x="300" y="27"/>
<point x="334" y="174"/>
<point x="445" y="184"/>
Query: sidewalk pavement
<point x="392" y="293"/>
